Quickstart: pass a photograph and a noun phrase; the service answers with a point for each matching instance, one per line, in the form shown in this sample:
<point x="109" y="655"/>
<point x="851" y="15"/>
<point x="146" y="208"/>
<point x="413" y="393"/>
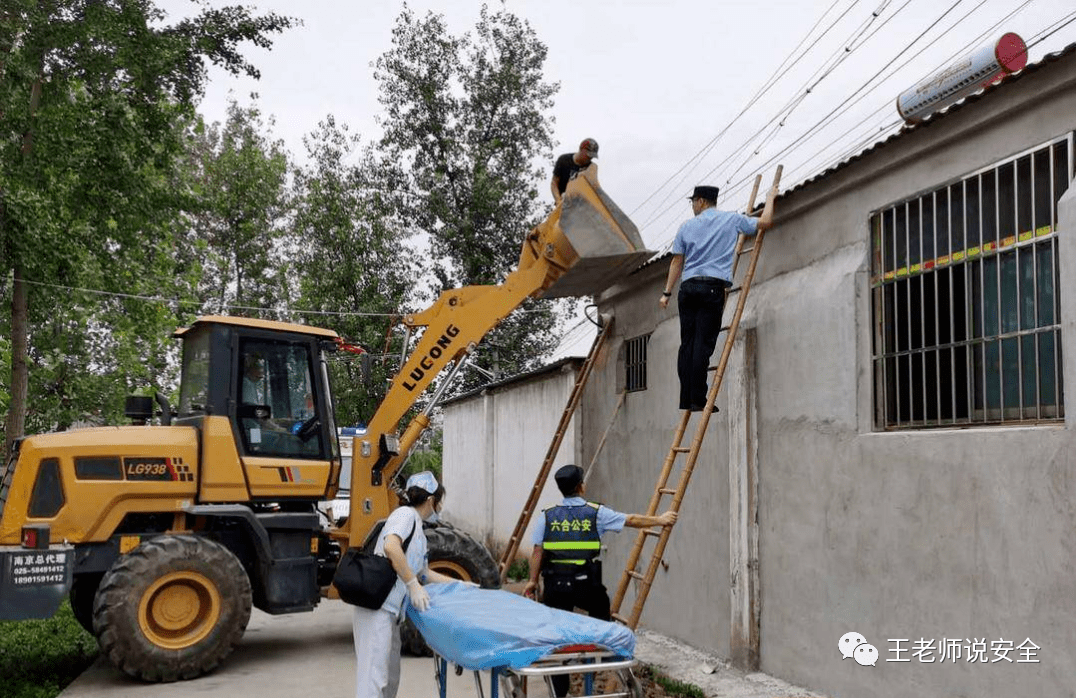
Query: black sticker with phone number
<point x="147" y="469"/>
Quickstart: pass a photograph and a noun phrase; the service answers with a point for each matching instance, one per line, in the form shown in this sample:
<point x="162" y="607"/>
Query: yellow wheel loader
<point x="164" y="537"/>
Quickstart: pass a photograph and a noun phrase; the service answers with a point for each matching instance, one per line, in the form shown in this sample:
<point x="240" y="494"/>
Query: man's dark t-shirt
<point x="564" y="170"/>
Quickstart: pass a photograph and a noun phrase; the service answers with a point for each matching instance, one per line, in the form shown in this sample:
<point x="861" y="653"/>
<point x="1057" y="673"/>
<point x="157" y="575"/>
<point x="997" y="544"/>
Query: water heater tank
<point x="965" y="77"/>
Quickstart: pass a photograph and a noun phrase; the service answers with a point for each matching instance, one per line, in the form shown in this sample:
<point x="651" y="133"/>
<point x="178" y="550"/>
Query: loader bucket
<point x="607" y="242"/>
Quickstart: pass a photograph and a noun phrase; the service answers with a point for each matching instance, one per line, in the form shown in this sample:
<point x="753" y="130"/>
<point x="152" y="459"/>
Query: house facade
<point x="893" y="456"/>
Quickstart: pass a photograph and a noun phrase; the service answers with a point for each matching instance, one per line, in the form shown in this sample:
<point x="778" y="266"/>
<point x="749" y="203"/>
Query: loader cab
<point x="271" y="382"/>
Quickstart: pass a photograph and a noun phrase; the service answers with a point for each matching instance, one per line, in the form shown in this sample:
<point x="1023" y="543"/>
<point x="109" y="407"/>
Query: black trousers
<point x="701" y="302"/>
<point x="592" y="597"/>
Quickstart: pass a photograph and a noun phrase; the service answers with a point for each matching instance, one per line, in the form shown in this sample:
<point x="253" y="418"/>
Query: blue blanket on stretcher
<point x="485" y="628"/>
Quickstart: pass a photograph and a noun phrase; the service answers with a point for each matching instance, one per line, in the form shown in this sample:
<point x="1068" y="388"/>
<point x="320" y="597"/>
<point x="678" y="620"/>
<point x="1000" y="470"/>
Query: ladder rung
<point x="620" y="618"/>
<point x="665" y="490"/>
<point x="651" y="532"/>
<point x="636" y="575"/>
<point x="747" y="250"/>
<point x="733" y="289"/>
<point x="682" y="449"/>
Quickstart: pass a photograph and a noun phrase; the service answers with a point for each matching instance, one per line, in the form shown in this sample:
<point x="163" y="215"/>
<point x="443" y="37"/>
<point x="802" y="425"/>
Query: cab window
<point x="194" y="381"/>
<point x="277" y="414"/>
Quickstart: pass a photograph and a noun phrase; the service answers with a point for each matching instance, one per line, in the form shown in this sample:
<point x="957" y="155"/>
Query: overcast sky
<point x="656" y="81"/>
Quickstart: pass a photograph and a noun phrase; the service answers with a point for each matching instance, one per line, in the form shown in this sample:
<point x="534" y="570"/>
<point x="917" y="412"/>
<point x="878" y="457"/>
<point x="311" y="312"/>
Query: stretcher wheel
<point x="511" y="685"/>
<point x="635" y="686"/>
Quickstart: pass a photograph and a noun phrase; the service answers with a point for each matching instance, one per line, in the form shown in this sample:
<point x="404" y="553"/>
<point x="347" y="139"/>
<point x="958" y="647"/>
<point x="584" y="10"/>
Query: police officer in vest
<point x="566" y="548"/>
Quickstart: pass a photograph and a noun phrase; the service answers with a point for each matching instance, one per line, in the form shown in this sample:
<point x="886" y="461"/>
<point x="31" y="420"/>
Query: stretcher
<point x="522" y="644"/>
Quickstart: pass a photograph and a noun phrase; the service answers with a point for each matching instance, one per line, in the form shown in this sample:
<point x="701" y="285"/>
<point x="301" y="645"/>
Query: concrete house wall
<point x="494" y="444"/>
<point x="943" y="534"/>
<point x="962" y="533"/>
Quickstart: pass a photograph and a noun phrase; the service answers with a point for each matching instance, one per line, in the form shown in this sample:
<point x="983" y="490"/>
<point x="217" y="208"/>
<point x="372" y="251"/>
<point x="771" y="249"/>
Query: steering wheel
<point x="306" y="430"/>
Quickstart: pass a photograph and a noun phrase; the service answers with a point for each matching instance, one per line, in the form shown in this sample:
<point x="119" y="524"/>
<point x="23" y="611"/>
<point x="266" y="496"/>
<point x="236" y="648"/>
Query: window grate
<point x="635" y="363"/>
<point x="965" y="300"/>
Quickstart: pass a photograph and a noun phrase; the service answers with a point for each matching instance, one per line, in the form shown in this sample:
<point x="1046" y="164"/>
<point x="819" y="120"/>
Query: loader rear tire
<point x="454" y="554"/>
<point x="173" y="608"/>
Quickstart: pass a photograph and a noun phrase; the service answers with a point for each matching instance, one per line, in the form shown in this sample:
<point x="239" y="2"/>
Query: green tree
<point x="351" y="257"/>
<point x="94" y="99"/>
<point x="465" y="123"/>
<point x="242" y="205"/>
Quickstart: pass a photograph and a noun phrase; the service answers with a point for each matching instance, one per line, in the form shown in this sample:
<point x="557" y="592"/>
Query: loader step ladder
<point x="661" y="534"/>
<point x="554" y="446"/>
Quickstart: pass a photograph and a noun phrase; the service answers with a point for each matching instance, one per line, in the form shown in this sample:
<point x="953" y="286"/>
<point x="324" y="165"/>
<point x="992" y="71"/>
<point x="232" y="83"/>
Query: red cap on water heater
<point x="1011" y="52"/>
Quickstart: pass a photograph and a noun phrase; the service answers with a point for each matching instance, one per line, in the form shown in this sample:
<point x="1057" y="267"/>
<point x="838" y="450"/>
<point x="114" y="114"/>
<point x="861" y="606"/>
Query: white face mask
<point x="433" y="518"/>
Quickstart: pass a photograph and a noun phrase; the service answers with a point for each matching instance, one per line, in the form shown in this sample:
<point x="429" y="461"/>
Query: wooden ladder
<point x="606" y="323"/>
<point x="661" y="534"/>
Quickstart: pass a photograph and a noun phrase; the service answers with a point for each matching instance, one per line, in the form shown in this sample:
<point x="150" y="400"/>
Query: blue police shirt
<point x="708" y="242"/>
<point x="608" y="520"/>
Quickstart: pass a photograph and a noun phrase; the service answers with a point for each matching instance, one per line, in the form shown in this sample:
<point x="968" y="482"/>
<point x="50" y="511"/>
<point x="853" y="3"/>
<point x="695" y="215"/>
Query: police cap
<point x="568" y="478"/>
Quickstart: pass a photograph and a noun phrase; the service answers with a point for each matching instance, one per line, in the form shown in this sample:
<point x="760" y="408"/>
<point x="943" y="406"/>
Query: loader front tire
<point x="454" y="554"/>
<point x="173" y="608"/>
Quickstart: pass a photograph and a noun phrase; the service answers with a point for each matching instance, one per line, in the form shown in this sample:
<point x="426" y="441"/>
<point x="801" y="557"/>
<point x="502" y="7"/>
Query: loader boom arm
<point x="587" y="226"/>
<point x="455" y="323"/>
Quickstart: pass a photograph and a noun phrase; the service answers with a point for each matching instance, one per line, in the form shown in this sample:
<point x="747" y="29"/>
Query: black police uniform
<point x="571" y="571"/>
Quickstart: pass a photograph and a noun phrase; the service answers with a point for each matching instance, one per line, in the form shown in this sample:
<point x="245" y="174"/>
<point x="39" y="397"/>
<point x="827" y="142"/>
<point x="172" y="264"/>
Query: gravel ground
<point x="687" y="665"/>
<point x="713" y="675"/>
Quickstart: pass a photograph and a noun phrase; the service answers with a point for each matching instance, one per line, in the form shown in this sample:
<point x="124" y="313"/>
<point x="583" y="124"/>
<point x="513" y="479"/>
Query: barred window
<point x="635" y="363"/>
<point x="965" y="301"/>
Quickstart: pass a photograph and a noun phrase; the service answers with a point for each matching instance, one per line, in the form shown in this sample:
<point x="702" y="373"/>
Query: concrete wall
<point x="937" y="534"/>
<point x="956" y="534"/>
<point x="689" y="600"/>
<point x="494" y="446"/>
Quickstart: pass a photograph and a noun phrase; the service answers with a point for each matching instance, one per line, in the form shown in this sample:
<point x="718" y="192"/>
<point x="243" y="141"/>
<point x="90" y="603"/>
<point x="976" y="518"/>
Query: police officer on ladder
<point x="567" y="543"/>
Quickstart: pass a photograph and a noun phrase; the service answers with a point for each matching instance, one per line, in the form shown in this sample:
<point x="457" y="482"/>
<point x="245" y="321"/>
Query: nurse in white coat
<point x="377" y="632"/>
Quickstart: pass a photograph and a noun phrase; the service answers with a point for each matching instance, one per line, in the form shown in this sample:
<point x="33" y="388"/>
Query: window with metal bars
<point x="635" y="363"/>
<point x="965" y="301"/>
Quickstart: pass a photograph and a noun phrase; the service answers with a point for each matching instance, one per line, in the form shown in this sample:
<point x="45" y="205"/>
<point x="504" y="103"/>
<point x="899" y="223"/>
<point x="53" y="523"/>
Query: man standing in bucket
<point x="569" y="165"/>
<point x="703" y="254"/>
<point x="567" y="543"/>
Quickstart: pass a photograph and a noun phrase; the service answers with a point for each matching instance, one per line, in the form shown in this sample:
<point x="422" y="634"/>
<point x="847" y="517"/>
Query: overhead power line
<point x="767" y="85"/>
<point x="1035" y="40"/>
<point x="816" y="128"/>
<point x="848" y="102"/>
<point x="902" y="52"/>
<point x="824" y="71"/>
<point x="180" y="302"/>
<point x="848" y="47"/>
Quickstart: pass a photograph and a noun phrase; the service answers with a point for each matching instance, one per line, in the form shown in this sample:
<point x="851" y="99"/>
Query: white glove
<point x="419" y="598"/>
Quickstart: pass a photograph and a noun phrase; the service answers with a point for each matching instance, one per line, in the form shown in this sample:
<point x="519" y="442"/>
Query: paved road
<point x="301" y="655"/>
<point x="310" y="655"/>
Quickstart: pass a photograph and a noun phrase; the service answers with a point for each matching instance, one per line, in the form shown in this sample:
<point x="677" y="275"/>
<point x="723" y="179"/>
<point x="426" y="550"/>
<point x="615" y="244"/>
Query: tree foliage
<point x="351" y="256"/>
<point x="465" y="120"/>
<point x="95" y="98"/>
<point x="110" y="181"/>
<point x="241" y="208"/>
